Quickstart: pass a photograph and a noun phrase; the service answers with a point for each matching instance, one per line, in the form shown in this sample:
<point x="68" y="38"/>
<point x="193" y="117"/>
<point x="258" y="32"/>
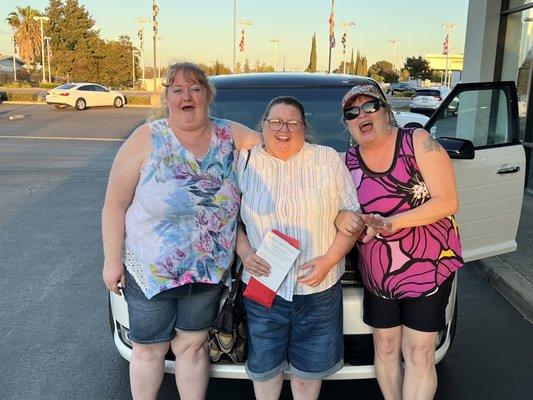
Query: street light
<point x="394" y="43"/>
<point x="41" y="19"/>
<point x="346" y="25"/>
<point x="141" y="22"/>
<point x="159" y="66"/>
<point x="448" y="27"/>
<point x="276" y="41"/>
<point x="48" y="38"/>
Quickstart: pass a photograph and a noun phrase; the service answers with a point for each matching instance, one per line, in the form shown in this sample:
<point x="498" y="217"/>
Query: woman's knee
<point x="420" y="357"/>
<point x="387" y="345"/>
<point x="150" y="352"/>
<point x="190" y="345"/>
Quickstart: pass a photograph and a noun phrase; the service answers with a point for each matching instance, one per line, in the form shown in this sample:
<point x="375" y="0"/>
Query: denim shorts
<point x="191" y="307"/>
<point x="305" y="334"/>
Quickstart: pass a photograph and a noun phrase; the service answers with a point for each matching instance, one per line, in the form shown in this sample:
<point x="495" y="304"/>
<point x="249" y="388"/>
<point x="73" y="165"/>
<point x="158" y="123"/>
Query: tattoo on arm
<point x="431" y="144"/>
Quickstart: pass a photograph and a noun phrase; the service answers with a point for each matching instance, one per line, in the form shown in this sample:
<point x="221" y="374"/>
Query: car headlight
<point x="124" y="335"/>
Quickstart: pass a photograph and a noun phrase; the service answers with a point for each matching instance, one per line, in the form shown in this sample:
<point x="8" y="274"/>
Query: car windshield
<point x="427" y="92"/>
<point x="322" y="107"/>
<point x="66" y="86"/>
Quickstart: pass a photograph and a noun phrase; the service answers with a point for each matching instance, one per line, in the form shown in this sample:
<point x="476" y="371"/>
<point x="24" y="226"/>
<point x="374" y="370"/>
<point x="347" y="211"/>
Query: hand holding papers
<point x="280" y="251"/>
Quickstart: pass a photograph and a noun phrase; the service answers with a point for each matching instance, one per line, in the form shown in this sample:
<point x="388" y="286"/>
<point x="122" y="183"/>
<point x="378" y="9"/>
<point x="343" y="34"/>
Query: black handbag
<point x="227" y="335"/>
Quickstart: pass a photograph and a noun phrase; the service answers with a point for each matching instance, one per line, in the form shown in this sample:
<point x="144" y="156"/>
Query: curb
<point x="512" y="286"/>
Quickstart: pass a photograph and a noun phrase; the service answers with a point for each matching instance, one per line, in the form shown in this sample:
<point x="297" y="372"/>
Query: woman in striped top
<point x="298" y="189"/>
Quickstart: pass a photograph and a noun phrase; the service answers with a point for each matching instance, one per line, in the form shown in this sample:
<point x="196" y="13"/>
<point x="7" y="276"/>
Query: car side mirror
<point x="461" y="149"/>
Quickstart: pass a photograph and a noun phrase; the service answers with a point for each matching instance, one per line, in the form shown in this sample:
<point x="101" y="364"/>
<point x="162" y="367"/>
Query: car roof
<point x="288" y="79"/>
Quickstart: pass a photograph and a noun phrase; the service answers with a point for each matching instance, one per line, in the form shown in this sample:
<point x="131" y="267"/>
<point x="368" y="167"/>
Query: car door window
<point x="481" y="116"/>
<point x="99" y="88"/>
<point x="86" y="88"/>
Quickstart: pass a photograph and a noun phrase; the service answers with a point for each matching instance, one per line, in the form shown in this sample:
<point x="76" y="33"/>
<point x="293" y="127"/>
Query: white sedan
<point x="83" y="95"/>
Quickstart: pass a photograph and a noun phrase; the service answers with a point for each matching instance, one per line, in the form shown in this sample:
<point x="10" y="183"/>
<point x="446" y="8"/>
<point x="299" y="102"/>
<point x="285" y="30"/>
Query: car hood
<point x="414" y="117"/>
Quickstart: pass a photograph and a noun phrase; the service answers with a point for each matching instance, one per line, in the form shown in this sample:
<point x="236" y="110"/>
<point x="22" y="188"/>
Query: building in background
<point x="437" y="62"/>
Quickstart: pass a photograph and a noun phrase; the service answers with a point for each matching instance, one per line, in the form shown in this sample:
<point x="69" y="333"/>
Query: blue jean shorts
<point x="304" y="334"/>
<point x="191" y="307"/>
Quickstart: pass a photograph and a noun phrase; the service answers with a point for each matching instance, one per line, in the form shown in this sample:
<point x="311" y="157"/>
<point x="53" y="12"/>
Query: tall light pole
<point x="41" y="19"/>
<point x="448" y="27"/>
<point x="48" y="38"/>
<point x="276" y="41"/>
<point x="140" y="34"/>
<point x="244" y="23"/>
<point x="234" y="33"/>
<point x="132" y="67"/>
<point x="14" y="54"/>
<point x="159" y="38"/>
<point x="346" y="25"/>
<point x="155" y="26"/>
<point x="394" y="42"/>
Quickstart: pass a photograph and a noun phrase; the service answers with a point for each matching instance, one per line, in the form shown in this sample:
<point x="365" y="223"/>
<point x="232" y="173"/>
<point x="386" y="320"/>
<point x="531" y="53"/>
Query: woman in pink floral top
<point x="169" y="227"/>
<point x="407" y="259"/>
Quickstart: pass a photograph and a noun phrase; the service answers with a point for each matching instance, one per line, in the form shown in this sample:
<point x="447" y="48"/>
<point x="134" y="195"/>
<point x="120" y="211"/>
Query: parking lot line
<point x="62" y="138"/>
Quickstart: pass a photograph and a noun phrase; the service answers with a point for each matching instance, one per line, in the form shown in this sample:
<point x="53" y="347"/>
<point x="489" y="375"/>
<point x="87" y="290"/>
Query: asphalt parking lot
<point x="55" y="341"/>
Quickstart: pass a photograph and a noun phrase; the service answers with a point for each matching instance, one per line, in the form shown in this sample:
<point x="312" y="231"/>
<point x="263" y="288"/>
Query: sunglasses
<point x="369" y="107"/>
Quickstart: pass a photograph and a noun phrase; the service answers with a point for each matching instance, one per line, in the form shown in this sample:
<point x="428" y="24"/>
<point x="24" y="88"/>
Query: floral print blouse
<point x="181" y="224"/>
<point x="411" y="262"/>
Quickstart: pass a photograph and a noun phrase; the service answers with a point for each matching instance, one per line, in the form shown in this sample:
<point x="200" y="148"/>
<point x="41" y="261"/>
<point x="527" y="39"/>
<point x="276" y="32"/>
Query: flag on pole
<point x="241" y="43"/>
<point x="343" y="41"/>
<point x="332" y="26"/>
<point x="445" y="45"/>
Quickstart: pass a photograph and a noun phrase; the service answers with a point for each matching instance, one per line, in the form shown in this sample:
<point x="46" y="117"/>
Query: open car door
<point x="477" y="124"/>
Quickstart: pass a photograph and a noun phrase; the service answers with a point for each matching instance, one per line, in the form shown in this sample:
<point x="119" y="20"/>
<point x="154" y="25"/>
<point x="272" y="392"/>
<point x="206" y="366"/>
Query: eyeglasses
<point x="369" y="107"/>
<point x="277" y="124"/>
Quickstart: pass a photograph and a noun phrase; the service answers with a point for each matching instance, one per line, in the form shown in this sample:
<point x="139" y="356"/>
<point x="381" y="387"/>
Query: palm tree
<point x="27" y="32"/>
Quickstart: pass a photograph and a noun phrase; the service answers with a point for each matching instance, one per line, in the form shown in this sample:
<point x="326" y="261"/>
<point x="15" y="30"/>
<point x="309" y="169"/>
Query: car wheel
<point x="118" y="102"/>
<point x="413" y="125"/>
<point x="81" y="104"/>
<point x="60" y="106"/>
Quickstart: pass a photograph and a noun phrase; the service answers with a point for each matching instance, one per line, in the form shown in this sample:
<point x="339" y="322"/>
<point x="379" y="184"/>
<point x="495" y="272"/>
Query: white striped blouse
<point x="299" y="197"/>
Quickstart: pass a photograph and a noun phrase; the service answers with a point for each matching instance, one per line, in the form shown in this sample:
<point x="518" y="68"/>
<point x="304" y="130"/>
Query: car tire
<point x="118" y="103"/>
<point x="413" y="125"/>
<point x="81" y="104"/>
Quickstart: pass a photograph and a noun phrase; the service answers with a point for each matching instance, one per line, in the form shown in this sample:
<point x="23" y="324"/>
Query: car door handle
<point x="509" y="170"/>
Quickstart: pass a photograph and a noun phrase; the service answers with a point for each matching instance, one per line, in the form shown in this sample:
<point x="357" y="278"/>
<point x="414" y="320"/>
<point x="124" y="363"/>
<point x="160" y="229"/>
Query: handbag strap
<point x="236" y="274"/>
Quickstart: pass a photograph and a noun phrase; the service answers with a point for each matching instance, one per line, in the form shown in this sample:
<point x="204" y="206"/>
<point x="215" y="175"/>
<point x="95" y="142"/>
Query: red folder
<point x="256" y="290"/>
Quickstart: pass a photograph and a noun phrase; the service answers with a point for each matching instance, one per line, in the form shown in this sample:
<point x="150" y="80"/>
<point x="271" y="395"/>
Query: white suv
<point x="489" y="162"/>
<point x="428" y="99"/>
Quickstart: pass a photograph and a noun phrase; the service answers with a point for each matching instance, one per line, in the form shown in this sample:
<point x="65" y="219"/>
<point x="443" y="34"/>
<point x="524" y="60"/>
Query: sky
<point x="202" y="30"/>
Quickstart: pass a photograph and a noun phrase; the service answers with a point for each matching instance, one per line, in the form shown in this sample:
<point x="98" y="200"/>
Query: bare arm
<point x="313" y="272"/>
<point x="123" y="180"/>
<point x="251" y="261"/>
<point x="244" y="137"/>
<point x="437" y="171"/>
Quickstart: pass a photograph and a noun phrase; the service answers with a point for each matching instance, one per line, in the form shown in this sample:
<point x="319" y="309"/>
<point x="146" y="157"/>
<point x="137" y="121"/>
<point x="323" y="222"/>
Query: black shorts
<point x="425" y="314"/>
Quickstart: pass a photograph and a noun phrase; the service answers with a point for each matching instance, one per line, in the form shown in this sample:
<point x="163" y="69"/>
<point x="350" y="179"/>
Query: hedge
<point x="137" y="99"/>
<point x="25" y="96"/>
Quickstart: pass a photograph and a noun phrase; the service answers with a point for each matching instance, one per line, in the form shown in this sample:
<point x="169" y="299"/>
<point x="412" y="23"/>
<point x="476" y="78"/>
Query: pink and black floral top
<point x="411" y="262"/>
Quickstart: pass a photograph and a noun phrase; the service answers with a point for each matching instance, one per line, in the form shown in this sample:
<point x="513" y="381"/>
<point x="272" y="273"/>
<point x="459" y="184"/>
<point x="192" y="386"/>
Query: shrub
<point x="48" y="85"/>
<point x="137" y="99"/>
<point x="17" y="84"/>
<point x="24" y="96"/>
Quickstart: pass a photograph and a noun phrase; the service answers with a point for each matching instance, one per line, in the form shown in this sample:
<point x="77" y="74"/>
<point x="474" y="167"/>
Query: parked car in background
<point x="83" y="95"/>
<point x="489" y="164"/>
<point x="400" y="87"/>
<point x="426" y="100"/>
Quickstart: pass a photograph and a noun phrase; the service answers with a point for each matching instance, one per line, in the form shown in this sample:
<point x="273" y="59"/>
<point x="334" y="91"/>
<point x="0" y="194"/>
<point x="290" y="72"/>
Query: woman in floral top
<point x="170" y="217"/>
<point x="406" y="187"/>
